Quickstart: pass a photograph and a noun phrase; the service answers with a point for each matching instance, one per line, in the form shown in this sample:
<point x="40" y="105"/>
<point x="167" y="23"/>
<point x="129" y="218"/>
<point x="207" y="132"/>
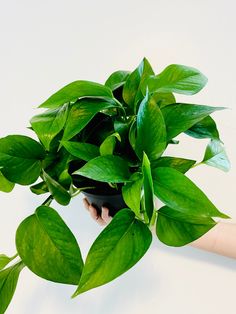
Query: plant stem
<point x="121" y="107"/>
<point x="197" y="164"/>
<point x="48" y="201"/>
<point x="14" y="256"/>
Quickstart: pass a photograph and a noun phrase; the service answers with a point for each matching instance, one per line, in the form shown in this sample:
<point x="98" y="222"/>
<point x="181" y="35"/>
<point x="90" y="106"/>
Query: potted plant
<point x="109" y="142"/>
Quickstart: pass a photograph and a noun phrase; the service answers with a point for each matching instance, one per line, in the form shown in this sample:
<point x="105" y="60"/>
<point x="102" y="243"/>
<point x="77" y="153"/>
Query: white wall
<point x="46" y="44"/>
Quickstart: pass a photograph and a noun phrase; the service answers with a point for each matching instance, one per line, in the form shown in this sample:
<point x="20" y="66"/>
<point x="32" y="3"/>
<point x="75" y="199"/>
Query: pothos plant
<point x="110" y="138"/>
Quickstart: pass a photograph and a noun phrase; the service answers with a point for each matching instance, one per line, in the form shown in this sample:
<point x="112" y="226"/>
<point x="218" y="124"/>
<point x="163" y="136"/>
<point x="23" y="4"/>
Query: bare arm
<point x="220" y="240"/>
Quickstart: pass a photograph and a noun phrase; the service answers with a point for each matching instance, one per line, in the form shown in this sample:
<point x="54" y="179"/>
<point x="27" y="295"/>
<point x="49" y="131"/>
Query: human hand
<point x="102" y="219"/>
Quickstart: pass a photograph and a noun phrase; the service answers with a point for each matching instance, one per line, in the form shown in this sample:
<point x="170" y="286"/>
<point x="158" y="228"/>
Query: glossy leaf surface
<point x="108" y="145"/>
<point x="48" y="248"/>
<point x="118" y="247"/>
<point x="215" y="156"/>
<point x="177" y="229"/>
<point x="148" y="187"/>
<point x="84" y="151"/>
<point x="206" y="128"/>
<point x="132" y="88"/>
<point x="178" y="192"/>
<point x="179" y="79"/>
<point x="180" y="117"/>
<point x="48" y="124"/>
<point x="180" y="164"/>
<point x="74" y="91"/>
<point x="58" y="192"/>
<point x="131" y="192"/>
<point x="151" y="130"/>
<point x="20" y="157"/>
<point x="8" y="281"/>
<point x="4" y="260"/>
<point x="106" y="168"/>
<point x="117" y="79"/>
<point x="81" y="113"/>
<point x="5" y="185"/>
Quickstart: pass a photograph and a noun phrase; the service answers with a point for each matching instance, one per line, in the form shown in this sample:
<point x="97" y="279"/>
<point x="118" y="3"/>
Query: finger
<point x="105" y="215"/>
<point x="93" y="212"/>
<point x="86" y="203"/>
<point x="100" y="221"/>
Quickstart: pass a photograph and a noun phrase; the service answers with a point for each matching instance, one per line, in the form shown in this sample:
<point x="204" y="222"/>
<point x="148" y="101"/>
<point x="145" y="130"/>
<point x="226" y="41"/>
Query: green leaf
<point x="131" y="192"/>
<point x="110" y="168"/>
<point x="4" y="260"/>
<point x="48" y="248"/>
<point x="20" y="157"/>
<point x="180" y="117"/>
<point x="74" y="91"/>
<point x="8" y="281"/>
<point x="84" y="151"/>
<point x="81" y="113"/>
<point x="108" y="145"/>
<point x="117" y="79"/>
<point x="133" y="134"/>
<point x="118" y="247"/>
<point x="162" y="99"/>
<point x="206" y="128"/>
<point x="39" y="188"/>
<point x="48" y="124"/>
<point x="177" y="229"/>
<point x="178" y="192"/>
<point x="148" y="187"/>
<point x="151" y="130"/>
<point x="180" y="164"/>
<point x="132" y="88"/>
<point x="5" y="185"/>
<point x="177" y="78"/>
<point x="59" y="193"/>
<point x="215" y="156"/>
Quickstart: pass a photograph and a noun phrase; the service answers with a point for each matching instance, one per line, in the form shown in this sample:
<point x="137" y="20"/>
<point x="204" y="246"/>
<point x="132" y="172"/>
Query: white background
<point x="47" y="44"/>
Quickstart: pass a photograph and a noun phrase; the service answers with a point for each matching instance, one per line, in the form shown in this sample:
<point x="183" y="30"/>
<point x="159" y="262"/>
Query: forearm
<point x="221" y="240"/>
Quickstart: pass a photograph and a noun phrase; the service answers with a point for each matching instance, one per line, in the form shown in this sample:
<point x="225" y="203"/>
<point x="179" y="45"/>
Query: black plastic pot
<point x="114" y="202"/>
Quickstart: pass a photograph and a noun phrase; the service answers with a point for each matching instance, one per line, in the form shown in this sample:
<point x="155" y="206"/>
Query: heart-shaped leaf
<point x="177" y="78"/>
<point x="109" y="168"/>
<point x="177" y="191"/>
<point x="48" y="248"/>
<point x="151" y="130"/>
<point x="177" y="229"/>
<point x="76" y="90"/>
<point x="48" y="124"/>
<point x="81" y="113"/>
<point x="180" y="117"/>
<point x="20" y="157"/>
<point x="118" y="247"/>
<point x="206" y="128"/>
<point x="215" y="156"/>
<point x="8" y="281"/>
<point x="117" y="79"/>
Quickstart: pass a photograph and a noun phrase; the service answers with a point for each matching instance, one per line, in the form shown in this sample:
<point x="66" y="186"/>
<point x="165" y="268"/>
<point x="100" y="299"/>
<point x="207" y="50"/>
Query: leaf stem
<point x="197" y="164"/>
<point x="48" y="201"/>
